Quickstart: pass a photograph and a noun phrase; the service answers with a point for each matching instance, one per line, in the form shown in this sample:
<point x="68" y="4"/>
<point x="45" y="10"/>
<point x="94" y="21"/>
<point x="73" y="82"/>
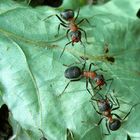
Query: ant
<point x="74" y="73"/>
<point x="105" y="106"/>
<point x="68" y="21"/>
<point x="6" y="130"/>
<point x="42" y="138"/>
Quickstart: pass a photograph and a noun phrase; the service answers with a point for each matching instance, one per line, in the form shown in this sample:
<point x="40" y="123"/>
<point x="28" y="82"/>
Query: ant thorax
<point x="73" y="26"/>
<point x="108" y="114"/>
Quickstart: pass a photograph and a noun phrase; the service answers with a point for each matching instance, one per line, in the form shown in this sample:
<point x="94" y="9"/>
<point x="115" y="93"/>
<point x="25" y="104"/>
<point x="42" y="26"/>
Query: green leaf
<point x="32" y="74"/>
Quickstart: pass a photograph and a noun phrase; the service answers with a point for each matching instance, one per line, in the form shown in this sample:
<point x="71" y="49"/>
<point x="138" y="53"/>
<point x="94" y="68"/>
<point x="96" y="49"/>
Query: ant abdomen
<point x="114" y="125"/>
<point x="73" y="72"/>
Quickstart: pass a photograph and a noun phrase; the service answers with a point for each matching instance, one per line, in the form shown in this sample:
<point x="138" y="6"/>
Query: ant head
<point x="103" y="105"/>
<point x="75" y="36"/>
<point x="115" y="124"/>
<point x="99" y="77"/>
<point x="68" y="14"/>
<point x="100" y="80"/>
<point x="73" y="72"/>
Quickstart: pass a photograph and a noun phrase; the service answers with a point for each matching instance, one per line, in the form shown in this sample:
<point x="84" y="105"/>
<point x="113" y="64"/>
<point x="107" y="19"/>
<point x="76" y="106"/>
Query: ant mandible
<point x="74" y="73"/>
<point x="105" y="106"/>
<point x="72" y="27"/>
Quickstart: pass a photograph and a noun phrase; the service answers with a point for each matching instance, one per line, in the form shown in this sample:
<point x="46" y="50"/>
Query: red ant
<point x="72" y="26"/>
<point x="74" y="73"/>
<point x="105" y="106"/>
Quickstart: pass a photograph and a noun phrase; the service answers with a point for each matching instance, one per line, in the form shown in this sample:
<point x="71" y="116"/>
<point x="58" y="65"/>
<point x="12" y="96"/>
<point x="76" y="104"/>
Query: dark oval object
<point x="103" y="105"/>
<point x="138" y="13"/>
<point x="6" y="130"/>
<point x="53" y="3"/>
<point x="115" y="125"/>
<point x="73" y="72"/>
<point x="110" y="59"/>
<point x="4" y="112"/>
<point x="128" y="137"/>
<point x="67" y="14"/>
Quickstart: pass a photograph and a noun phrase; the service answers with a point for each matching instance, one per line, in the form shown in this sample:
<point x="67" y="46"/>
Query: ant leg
<point x="94" y="99"/>
<point x="96" y="88"/>
<point x="129" y="112"/>
<point x="69" y="134"/>
<point x="91" y="64"/>
<point x="87" y="81"/>
<point x="111" y="79"/>
<point x="84" y="65"/>
<point x="42" y="132"/>
<point x="100" y="69"/>
<point x="100" y="121"/>
<point x="57" y="17"/>
<point x="97" y="69"/>
<point x="77" y="14"/>
<point x="95" y="92"/>
<point x="84" y="48"/>
<point x="67" y="35"/>
<point x="75" y="63"/>
<point x="67" y="86"/>
<point x="60" y="19"/>
<point x="117" y="116"/>
<point x="85" y="19"/>
<point x="61" y="24"/>
<point x="116" y="103"/>
<point x="64" y="48"/>
<point x="95" y="108"/>
<point x="84" y="34"/>
<point x="107" y="128"/>
<point x="71" y="64"/>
